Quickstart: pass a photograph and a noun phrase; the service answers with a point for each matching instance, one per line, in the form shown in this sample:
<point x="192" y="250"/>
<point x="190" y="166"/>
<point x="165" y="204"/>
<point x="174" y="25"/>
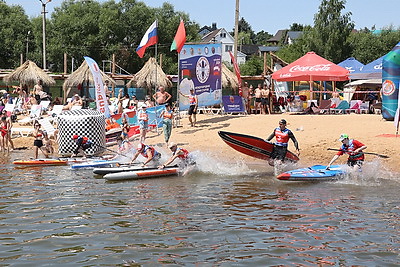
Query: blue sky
<point x="267" y="15"/>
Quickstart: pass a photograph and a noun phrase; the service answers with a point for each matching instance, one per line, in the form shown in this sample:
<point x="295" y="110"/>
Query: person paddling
<point x="147" y="152"/>
<point x="186" y="160"/>
<point x="82" y="143"/>
<point x="351" y="147"/>
<point x="282" y="136"/>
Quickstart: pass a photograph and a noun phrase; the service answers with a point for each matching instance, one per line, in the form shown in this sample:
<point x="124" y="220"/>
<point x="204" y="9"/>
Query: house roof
<point x="278" y="36"/>
<point x="209" y="37"/>
<point x="294" y="34"/>
<point x="269" y="48"/>
<point x="249" y="49"/>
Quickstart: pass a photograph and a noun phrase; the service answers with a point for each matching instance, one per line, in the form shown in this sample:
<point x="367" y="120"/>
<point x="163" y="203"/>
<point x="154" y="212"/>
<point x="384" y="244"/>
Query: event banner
<point x="233" y="104"/>
<point x="101" y="100"/>
<point x="200" y="69"/>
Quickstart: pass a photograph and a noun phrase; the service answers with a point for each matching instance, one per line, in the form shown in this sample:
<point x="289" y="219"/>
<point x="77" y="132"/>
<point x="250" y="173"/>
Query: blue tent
<point x="351" y="64"/>
<point x="372" y="70"/>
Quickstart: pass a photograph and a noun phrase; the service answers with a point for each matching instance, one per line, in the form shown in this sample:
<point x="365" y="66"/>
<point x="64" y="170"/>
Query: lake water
<point x="58" y="216"/>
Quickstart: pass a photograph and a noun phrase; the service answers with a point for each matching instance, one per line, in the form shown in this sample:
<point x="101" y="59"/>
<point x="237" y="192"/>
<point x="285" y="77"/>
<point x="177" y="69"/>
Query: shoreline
<point x="315" y="134"/>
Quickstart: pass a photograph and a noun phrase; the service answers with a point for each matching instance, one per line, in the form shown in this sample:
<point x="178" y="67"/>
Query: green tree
<point x="262" y="37"/>
<point x="14" y="28"/>
<point x="253" y="66"/>
<point x="330" y="36"/>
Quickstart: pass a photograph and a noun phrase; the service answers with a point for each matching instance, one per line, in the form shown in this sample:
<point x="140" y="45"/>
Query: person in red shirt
<point x="282" y="136"/>
<point x="351" y="147"/>
<point x="149" y="153"/>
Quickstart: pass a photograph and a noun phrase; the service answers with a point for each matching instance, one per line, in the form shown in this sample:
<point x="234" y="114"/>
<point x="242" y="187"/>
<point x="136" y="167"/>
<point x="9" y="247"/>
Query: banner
<point x="233" y="103"/>
<point x="200" y="69"/>
<point x="101" y="100"/>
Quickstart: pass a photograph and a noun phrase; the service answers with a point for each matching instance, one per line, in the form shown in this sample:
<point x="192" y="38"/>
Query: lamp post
<point x="27" y="45"/>
<point x="44" y="3"/>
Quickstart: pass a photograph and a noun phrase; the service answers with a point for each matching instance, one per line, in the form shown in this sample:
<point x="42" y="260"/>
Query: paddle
<point x="369" y="153"/>
<point x="113" y="151"/>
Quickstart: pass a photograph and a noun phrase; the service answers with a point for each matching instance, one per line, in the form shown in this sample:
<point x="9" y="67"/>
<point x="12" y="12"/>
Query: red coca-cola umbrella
<point x="311" y="67"/>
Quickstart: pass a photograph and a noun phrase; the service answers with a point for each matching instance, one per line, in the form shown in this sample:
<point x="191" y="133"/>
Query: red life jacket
<point x="184" y="155"/>
<point x="282" y="137"/>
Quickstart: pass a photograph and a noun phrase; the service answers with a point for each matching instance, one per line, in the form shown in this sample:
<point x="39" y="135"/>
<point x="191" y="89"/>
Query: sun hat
<point x="343" y="136"/>
<point x="171" y="145"/>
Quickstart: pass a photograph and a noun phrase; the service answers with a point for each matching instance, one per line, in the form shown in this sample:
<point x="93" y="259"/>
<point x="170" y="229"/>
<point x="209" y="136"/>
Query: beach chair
<point x="21" y="131"/>
<point x="324" y="106"/>
<point x="364" y="107"/>
<point x="341" y="107"/>
<point x="34" y="114"/>
<point x="76" y="107"/>
<point x="47" y="126"/>
<point x="354" y="106"/>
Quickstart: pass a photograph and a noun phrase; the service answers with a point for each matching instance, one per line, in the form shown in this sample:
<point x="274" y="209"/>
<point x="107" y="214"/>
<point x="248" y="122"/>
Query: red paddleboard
<point x="252" y="146"/>
<point x="41" y="162"/>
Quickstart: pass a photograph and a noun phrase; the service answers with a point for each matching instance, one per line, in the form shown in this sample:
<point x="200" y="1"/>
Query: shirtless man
<point x="257" y="96"/>
<point x="161" y="96"/>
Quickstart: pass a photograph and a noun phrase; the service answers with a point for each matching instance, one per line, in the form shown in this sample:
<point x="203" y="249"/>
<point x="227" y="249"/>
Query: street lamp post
<point x="27" y="45"/>
<point x="44" y="3"/>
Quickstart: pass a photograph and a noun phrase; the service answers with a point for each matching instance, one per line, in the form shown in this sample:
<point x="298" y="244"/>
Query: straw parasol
<point x="82" y="75"/>
<point x="150" y="76"/>
<point x="29" y="73"/>
<point x="228" y="78"/>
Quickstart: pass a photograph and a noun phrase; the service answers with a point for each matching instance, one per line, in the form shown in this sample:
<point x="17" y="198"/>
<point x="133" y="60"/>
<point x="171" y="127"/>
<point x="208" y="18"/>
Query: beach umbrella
<point x="351" y="64"/>
<point x="150" y="76"/>
<point x="82" y="76"/>
<point x="228" y="78"/>
<point x="311" y="67"/>
<point x="372" y="70"/>
<point x="29" y="73"/>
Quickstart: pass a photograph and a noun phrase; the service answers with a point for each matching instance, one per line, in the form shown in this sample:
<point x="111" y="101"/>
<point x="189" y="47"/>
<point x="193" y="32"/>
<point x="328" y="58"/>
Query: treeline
<point x="90" y="28"/>
<point x="99" y="30"/>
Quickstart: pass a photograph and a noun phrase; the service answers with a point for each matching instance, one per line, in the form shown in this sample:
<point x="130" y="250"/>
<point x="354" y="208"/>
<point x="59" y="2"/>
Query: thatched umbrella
<point x="150" y="76"/>
<point x="82" y="75"/>
<point x="228" y="78"/>
<point x="29" y="73"/>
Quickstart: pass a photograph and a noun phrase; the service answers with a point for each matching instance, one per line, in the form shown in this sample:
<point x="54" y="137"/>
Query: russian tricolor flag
<point x="150" y="38"/>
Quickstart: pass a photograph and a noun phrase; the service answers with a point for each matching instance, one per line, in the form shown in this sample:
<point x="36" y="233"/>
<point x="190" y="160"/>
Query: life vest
<point x="182" y="156"/>
<point x="348" y="150"/>
<point x="153" y="152"/>
<point x="85" y="140"/>
<point x="192" y="99"/>
<point x="282" y="137"/>
<point x="143" y="116"/>
<point x="167" y="114"/>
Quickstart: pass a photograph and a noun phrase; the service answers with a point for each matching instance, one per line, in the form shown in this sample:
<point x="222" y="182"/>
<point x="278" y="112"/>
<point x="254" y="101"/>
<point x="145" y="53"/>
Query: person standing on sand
<point x="194" y="102"/>
<point x="161" y="96"/>
<point x="257" y="101"/>
<point x="38" y="143"/>
<point x="351" y="147"/>
<point x="245" y="97"/>
<point x="143" y="118"/>
<point x="167" y="115"/>
<point x="282" y="136"/>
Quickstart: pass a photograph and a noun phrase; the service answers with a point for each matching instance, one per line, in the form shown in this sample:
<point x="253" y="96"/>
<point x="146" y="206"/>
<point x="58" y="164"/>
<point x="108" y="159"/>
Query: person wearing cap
<point x="351" y="147"/>
<point x="179" y="153"/>
<point x="143" y="119"/>
<point x="148" y="152"/>
<point x="193" y="102"/>
<point x="82" y="143"/>
<point x="167" y="115"/>
<point x="282" y="136"/>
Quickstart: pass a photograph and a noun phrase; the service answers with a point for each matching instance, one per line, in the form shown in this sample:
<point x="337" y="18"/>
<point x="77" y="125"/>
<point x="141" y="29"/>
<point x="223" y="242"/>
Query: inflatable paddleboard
<point x="252" y="146"/>
<point x="94" y="163"/>
<point x="125" y="168"/>
<point x="314" y="173"/>
<point x="41" y="162"/>
<point x="142" y="173"/>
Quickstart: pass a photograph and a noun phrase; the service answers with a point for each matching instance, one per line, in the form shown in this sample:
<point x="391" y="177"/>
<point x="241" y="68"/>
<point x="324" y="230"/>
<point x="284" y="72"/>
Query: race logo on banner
<point x="233" y="103"/>
<point x="200" y="69"/>
<point x="101" y="100"/>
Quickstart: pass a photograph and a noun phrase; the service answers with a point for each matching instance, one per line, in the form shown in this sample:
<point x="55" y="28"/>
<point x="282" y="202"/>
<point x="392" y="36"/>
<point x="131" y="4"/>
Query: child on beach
<point x="48" y="143"/>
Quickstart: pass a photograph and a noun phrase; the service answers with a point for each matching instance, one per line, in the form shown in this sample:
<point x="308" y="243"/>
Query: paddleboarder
<point x="351" y="147"/>
<point x="147" y="152"/>
<point x="179" y="153"/>
<point x="282" y="136"/>
<point x="82" y="143"/>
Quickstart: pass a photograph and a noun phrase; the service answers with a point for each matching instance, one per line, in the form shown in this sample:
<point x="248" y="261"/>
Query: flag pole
<point x="178" y="121"/>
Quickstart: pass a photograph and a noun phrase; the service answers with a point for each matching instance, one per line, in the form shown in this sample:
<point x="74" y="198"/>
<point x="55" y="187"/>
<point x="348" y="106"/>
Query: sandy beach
<point x="315" y="133"/>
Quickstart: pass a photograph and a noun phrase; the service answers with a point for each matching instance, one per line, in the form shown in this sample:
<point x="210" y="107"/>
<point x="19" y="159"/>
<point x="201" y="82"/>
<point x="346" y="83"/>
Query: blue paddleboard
<point x="314" y="173"/>
<point x="94" y="163"/>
